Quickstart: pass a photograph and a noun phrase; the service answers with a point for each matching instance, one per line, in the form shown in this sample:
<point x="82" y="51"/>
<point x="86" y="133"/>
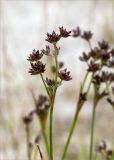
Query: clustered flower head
<point x="37" y="68"/>
<point x="36" y="55"/>
<point x="42" y="105"/>
<point x="54" y="38"/>
<point x="100" y="65"/>
<point x="100" y="62"/>
<point x="64" y="75"/>
<point x="61" y="65"/>
<point x="103" y="149"/>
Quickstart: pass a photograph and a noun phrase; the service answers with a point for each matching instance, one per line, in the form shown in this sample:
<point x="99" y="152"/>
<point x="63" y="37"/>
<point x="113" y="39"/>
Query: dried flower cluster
<point x="100" y="62"/>
<point x="100" y="66"/>
<point x="103" y="150"/>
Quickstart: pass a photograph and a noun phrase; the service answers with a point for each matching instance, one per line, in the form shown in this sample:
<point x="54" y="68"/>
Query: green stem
<point x="51" y="133"/>
<point x="42" y="125"/>
<point x="57" y="67"/>
<point x="52" y="99"/>
<point x="84" y="81"/>
<point x="89" y="86"/>
<point x="27" y="141"/>
<point x="70" y="135"/>
<point x="44" y="84"/>
<point x="45" y="141"/>
<point x="73" y="125"/>
<point x="92" y="130"/>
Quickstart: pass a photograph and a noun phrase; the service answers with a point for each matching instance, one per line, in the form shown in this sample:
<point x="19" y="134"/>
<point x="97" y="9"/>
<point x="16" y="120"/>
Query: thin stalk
<point x="84" y="81"/>
<point x="73" y="125"/>
<point x="46" y="141"/>
<point x="45" y="84"/>
<point x="70" y="135"/>
<point x="51" y="133"/>
<point x="52" y="99"/>
<point x="57" y="67"/>
<point x="92" y="128"/>
<point x="44" y="137"/>
<point x="89" y="86"/>
<point x="27" y="142"/>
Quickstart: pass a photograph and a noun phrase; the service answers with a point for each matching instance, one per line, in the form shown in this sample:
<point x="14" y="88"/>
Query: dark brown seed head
<point x="27" y="119"/>
<point x="42" y="105"/>
<point x="64" y="75"/>
<point x="46" y="51"/>
<point x="76" y="32"/>
<point x="85" y="57"/>
<point x="64" y="33"/>
<point x="35" y="56"/>
<point x="50" y="82"/>
<point x="105" y="57"/>
<point x="102" y="146"/>
<point x="61" y="64"/>
<point x="37" y="68"/>
<point x="95" y="53"/>
<point x="42" y="99"/>
<point x="109" y="152"/>
<point x="103" y="45"/>
<point x="87" y="35"/>
<point x="97" y="79"/>
<point x="93" y="67"/>
<point x="53" y="38"/>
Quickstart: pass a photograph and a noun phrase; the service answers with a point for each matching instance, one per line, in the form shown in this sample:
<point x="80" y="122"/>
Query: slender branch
<point x="28" y="142"/>
<point x="44" y="136"/>
<point x="70" y="135"/>
<point x="57" y="67"/>
<point x="95" y="102"/>
<point x="84" y="81"/>
<point x="46" y="141"/>
<point x="89" y="86"/>
<point x="74" y="121"/>
<point x="45" y="84"/>
<point x="92" y="134"/>
<point x="52" y="99"/>
<point x="51" y="133"/>
<point x="41" y="156"/>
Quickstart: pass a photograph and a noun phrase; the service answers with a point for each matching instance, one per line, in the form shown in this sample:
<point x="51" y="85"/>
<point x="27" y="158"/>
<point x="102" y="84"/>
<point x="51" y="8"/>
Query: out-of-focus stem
<point x="84" y="81"/>
<point x="73" y="125"/>
<point x="70" y="135"/>
<point x="28" y="142"/>
<point x="45" y="84"/>
<point x="43" y="129"/>
<point x="95" y="102"/>
<point x="92" y="134"/>
<point x="52" y="100"/>
<point x="51" y="133"/>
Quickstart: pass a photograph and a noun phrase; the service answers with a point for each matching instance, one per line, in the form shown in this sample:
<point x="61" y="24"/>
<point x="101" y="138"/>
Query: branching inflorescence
<point x="100" y="68"/>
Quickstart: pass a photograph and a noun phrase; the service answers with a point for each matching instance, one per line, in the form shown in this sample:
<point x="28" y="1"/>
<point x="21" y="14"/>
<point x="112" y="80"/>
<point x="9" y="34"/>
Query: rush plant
<point x="99" y="74"/>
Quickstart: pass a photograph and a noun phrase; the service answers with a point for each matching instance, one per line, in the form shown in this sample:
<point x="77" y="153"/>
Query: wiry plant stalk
<point x="52" y="100"/>
<point x="73" y="125"/>
<point x="95" y="102"/>
<point x="43" y="129"/>
<point x="28" y="142"/>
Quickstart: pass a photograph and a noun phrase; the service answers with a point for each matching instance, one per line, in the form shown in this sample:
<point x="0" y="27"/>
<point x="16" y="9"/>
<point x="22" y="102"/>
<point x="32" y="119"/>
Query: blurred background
<point x="23" y="27"/>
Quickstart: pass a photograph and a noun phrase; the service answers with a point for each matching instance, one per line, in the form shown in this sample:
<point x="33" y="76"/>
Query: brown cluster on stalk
<point x="100" y="64"/>
<point x="103" y="150"/>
